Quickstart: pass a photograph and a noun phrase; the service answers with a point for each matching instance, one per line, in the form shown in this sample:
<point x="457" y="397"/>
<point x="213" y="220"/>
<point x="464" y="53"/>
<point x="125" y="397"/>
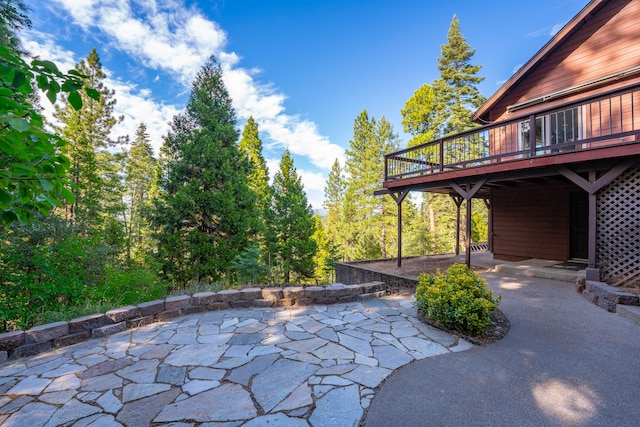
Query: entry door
<point x="579" y="223"/>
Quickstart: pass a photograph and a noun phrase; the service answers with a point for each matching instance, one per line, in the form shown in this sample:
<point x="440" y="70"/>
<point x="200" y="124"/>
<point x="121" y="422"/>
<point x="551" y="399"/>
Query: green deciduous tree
<point x="293" y="225"/>
<point x="420" y="116"/>
<point x="32" y="169"/>
<point x="206" y="210"/>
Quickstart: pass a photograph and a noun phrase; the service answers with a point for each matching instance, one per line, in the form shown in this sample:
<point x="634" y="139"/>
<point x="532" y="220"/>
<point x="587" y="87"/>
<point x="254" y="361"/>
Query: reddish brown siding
<point x="607" y="43"/>
<point x="531" y="221"/>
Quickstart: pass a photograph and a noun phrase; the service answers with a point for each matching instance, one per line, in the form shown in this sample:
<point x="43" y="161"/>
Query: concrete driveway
<point x="564" y="362"/>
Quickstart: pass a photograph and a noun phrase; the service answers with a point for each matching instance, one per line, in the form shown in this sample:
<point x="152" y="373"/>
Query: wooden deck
<point x="606" y="127"/>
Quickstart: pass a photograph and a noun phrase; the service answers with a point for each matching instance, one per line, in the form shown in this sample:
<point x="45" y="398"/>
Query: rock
<point x="229" y="402"/>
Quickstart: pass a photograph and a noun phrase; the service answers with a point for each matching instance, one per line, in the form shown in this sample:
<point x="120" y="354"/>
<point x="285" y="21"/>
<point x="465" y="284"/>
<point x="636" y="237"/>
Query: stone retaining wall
<point x="603" y="295"/>
<point x="43" y="338"/>
<point x="351" y="274"/>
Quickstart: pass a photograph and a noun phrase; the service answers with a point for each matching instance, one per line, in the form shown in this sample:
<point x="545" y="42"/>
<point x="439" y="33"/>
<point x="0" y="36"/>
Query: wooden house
<point x="557" y="155"/>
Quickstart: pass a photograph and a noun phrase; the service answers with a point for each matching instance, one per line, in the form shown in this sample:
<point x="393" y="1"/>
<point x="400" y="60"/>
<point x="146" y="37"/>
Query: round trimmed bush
<point x="458" y="299"/>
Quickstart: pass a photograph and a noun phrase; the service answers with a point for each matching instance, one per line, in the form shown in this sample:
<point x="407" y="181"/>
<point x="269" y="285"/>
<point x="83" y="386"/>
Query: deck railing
<point x="612" y="119"/>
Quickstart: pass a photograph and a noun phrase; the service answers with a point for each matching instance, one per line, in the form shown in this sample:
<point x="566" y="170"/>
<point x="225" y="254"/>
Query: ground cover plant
<point x="458" y="300"/>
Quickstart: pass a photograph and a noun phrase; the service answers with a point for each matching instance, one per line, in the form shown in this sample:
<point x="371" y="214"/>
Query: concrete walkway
<point x="316" y="365"/>
<point x="564" y="362"/>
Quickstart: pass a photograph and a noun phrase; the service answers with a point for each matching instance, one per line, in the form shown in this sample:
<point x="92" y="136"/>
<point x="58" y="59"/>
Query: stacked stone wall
<point x="47" y="337"/>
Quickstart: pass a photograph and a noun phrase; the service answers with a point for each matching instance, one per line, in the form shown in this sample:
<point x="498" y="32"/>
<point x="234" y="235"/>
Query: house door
<point x="579" y="225"/>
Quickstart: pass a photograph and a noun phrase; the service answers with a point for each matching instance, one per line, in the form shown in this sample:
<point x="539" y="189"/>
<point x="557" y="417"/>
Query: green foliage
<point x="45" y="267"/>
<point x="420" y="116"/>
<point x="458" y="299"/>
<point x="457" y="88"/>
<point x="205" y="214"/>
<point x="139" y="173"/>
<point x="366" y="222"/>
<point x="48" y="273"/>
<point x="126" y="287"/>
<point x="249" y="267"/>
<point x="292" y="226"/>
<point x="32" y="170"/>
<point x="93" y="169"/>
<point x="258" y="178"/>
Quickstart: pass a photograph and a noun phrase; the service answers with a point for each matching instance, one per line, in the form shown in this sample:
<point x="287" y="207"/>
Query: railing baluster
<point x="474" y="148"/>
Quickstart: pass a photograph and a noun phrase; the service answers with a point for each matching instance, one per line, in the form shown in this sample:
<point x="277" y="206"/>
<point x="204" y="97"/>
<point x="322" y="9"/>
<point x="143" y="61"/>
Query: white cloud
<point x="179" y="40"/>
<point x="134" y="104"/>
<point x="139" y="106"/>
<point x="555" y="29"/>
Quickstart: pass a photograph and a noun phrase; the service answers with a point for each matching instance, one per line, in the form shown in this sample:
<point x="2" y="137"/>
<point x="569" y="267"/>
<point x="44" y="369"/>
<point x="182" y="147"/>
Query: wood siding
<point x="604" y="44"/>
<point x="531" y="221"/>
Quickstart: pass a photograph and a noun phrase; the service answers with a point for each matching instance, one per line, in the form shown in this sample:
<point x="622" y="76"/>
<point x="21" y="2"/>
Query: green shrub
<point x="458" y="300"/>
<point x="127" y="287"/>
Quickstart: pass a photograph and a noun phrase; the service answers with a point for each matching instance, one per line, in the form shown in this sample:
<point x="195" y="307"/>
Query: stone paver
<point x="295" y="366"/>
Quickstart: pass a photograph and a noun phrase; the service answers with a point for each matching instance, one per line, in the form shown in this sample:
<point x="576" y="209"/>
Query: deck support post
<point x="399" y="198"/>
<point x="487" y="204"/>
<point x="592" y="272"/>
<point x="592" y="185"/>
<point x="467" y="195"/>
<point x="458" y="201"/>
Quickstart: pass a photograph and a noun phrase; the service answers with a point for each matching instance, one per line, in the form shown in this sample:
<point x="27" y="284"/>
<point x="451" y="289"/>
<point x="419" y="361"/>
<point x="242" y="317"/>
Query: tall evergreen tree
<point x="323" y="254"/>
<point x="365" y="217"/>
<point x="457" y="85"/>
<point x="293" y="225"/>
<point x="87" y="133"/>
<point x="444" y="107"/>
<point x="334" y="189"/>
<point x="258" y="178"/>
<point x="333" y="200"/>
<point x="206" y="213"/>
<point x="139" y="176"/>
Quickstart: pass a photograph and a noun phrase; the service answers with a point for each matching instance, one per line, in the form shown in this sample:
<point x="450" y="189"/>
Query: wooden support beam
<point x="592" y="185"/>
<point x="487" y="204"/>
<point x="467" y="195"/>
<point x="597" y="184"/>
<point x="399" y="198"/>
<point x="458" y="201"/>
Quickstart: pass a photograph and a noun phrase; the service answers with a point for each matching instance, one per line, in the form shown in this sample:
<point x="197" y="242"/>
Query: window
<point x="524" y="134"/>
<point x="552" y="129"/>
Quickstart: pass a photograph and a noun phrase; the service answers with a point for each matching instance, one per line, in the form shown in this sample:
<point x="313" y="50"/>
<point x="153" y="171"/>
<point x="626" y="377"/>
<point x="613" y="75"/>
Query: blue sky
<point x="303" y="69"/>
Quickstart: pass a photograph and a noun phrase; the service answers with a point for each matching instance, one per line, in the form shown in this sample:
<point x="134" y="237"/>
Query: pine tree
<point x="258" y="178"/>
<point x="139" y="177"/>
<point x="457" y="85"/>
<point x="333" y="200"/>
<point x="206" y="212"/>
<point x="87" y="132"/>
<point x="13" y="17"/>
<point x="321" y="258"/>
<point x="367" y="218"/>
<point x="293" y="225"/>
<point x="444" y="107"/>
